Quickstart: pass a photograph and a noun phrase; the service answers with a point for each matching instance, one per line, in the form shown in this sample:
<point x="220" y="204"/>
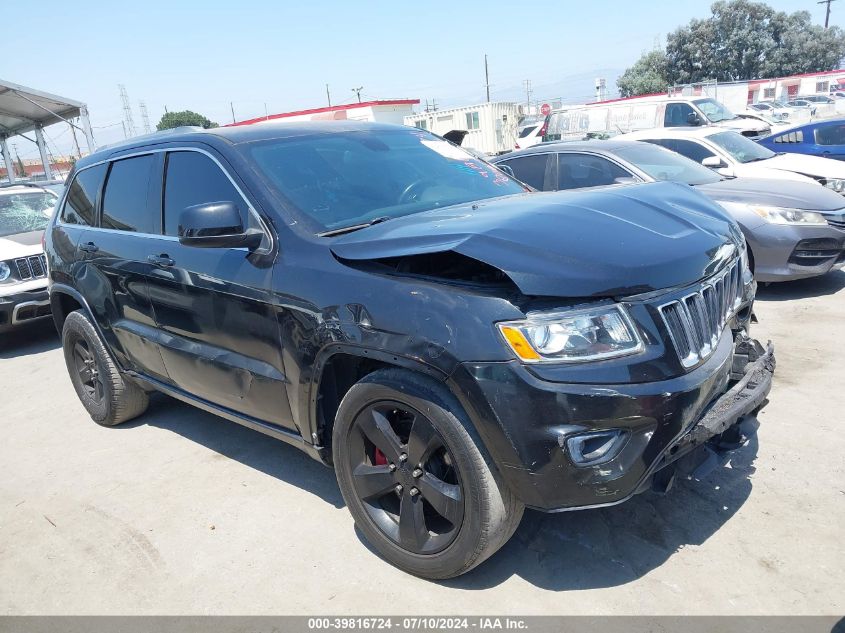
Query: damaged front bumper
<point x="681" y="425"/>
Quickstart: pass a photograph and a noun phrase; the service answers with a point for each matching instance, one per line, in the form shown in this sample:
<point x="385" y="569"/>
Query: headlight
<point x="837" y="184"/>
<point x="5" y="271"/>
<point x="778" y="215"/>
<point x="577" y="335"/>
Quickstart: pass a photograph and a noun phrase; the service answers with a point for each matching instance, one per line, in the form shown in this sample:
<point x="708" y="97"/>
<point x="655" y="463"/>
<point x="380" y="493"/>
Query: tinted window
<point x="81" y="203"/>
<point x="833" y="134"/>
<point x="576" y="171"/>
<point x="530" y="169"/>
<point x="342" y="179"/>
<point x="691" y="149"/>
<point x="193" y="178"/>
<point x="677" y="114"/>
<point x="127" y="204"/>
<point x="527" y="130"/>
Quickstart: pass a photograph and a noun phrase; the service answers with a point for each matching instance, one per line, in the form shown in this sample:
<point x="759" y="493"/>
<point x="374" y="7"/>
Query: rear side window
<point x="81" y="202"/>
<point x="530" y="169"/>
<point x="127" y="203"/>
<point x="833" y="134"/>
<point x="193" y="178"/>
<point x="578" y="171"/>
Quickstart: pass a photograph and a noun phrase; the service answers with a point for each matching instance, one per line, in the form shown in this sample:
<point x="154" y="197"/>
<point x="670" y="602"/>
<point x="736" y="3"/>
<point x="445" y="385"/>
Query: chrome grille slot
<point x="696" y="321"/>
<point x="31" y="267"/>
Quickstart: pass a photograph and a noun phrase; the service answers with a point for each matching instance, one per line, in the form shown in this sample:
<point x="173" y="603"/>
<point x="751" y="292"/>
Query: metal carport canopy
<point x="25" y="110"/>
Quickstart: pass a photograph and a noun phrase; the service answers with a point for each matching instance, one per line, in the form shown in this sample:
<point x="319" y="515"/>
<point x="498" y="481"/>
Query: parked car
<point x="731" y="154"/>
<point x="636" y="113"/>
<point x="530" y="134"/>
<point x="794" y="230"/>
<point x="803" y="104"/>
<point x="24" y="213"/>
<point x="456" y="346"/>
<point x="820" y="138"/>
<point x="769" y="109"/>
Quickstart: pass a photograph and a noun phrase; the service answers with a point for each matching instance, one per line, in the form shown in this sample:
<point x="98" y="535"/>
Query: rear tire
<point x="406" y="455"/>
<point x="108" y="397"/>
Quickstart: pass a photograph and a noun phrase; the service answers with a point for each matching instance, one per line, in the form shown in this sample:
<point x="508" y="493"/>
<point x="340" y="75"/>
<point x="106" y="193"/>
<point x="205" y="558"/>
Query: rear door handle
<point x="89" y="247"/>
<point x="160" y="260"/>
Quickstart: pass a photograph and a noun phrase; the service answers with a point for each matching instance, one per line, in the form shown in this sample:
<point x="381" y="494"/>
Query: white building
<point x="491" y="127"/>
<point x="384" y="111"/>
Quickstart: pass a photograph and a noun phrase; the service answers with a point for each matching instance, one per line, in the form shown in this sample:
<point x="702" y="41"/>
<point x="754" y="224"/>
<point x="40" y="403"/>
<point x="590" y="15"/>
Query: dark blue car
<point x="820" y="138"/>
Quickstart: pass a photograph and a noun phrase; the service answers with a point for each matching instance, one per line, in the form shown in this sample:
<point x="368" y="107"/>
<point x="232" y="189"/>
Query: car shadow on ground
<point x="828" y="284"/>
<point x="567" y="551"/>
<point x="251" y="448"/>
<point x="33" y="338"/>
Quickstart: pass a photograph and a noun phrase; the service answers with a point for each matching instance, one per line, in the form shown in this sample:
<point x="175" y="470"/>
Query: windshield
<point x="527" y="130"/>
<point x="24" y="212"/>
<point x="742" y="149"/>
<point x="344" y="179"/>
<point x="714" y="110"/>
<point x="662" y="164"/>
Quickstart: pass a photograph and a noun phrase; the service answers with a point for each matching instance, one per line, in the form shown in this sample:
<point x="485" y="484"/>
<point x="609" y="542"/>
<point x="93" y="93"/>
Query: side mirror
<point x="216" y="225"/>
<point x="507" y="169"/>
<point x="693" y="119"/>
<point x="713" y="162"/>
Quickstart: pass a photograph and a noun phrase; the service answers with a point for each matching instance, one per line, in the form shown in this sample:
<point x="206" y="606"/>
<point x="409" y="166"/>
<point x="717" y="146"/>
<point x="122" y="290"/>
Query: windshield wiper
<point x="354" y="227"/>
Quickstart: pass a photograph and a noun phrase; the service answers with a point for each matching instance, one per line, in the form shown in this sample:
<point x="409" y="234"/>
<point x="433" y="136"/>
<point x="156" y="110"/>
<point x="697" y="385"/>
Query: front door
<point x="219" y="333"/>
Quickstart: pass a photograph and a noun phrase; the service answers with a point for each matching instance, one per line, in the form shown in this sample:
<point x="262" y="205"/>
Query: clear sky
<point x="201" y="56"/>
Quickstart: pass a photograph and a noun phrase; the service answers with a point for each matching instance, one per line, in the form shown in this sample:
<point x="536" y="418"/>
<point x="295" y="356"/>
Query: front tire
<point x="108" y="397"/>
<point x="416" y="478"/>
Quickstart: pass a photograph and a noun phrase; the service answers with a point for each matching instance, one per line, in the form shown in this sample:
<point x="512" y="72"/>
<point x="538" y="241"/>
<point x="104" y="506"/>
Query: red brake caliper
<point x="379" y="458"/>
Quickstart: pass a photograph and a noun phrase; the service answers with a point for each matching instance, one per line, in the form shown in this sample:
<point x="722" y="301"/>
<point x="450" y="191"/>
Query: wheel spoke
<point x="413" y="534"/>
<point x="81" y="351"/>
<point x="379" y="432"/>
<point x="423" y="441"/>
<point x="444" y="497"/>
<point x="98" y="388"/>
<point x="85" y="374"/>
<point x="373" y="482"/>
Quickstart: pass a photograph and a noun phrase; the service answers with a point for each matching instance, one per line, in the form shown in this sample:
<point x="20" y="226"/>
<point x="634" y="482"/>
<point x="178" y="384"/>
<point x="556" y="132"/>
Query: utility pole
<point x="328" y="96"/>
<point x="527" y="83"/>
<point x="827" y="12"/>
<point x="486" y="78"/>
<point x="127" y="110"/>
<point x="145" y="117"/>
<point x="357" y="91"/>
<point x="232" y="106"/>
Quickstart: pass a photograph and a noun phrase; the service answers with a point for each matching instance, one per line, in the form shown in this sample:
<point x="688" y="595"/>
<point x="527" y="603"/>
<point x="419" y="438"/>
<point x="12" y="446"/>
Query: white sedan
<point x="732" y="154"/>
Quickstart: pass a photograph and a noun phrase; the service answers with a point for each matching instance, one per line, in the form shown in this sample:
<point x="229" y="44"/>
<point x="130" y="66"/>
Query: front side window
<point x="580" y="171"/>
<point x="691" y="149"/>
<point x="832" y="134"/>
<point x="127" y="204"/>
<point x="25" y="212"/>
<point x="472" y="120"/>
<point x="530" y="169"/>
<point x="677" y="114"/>
<point x="713" y="110"/>
<point x="338" y="180"/>
<point x="193" y="178"/>
<point x="81" y="201"/>
<point x="661" y="164"/>
<point x="740" y="148"/>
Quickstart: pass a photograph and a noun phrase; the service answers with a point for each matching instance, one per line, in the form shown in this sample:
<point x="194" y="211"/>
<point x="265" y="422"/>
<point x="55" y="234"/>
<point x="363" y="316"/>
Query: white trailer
<point x="491" y="127"/>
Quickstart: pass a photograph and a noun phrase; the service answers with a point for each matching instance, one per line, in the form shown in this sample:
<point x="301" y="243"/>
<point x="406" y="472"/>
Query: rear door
<point x="115" y="266"/>
<point x="536" y="170"/>
<point x="219" y="333"/>
<point x="582" y="171"/>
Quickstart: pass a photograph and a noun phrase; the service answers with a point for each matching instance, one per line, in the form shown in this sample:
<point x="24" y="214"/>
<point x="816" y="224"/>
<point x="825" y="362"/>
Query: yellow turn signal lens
<point x="519" y="344"/>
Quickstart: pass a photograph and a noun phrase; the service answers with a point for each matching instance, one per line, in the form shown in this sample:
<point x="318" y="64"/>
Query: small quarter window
<point x="81" y="202"/>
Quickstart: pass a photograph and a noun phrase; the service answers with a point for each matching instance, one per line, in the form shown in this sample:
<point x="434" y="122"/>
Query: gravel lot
<point x="182" y="512"/>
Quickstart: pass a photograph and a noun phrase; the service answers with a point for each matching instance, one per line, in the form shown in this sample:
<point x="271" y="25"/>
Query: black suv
<point x="455" y="346"/>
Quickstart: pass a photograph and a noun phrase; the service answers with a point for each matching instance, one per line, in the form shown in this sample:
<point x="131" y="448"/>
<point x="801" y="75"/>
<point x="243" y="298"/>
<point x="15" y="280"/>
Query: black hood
<point x="606" y="242"/>
<point x="774" y="193"/>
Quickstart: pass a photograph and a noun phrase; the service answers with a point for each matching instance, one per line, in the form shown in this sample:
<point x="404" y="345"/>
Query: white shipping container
<point x="492" y="127"/>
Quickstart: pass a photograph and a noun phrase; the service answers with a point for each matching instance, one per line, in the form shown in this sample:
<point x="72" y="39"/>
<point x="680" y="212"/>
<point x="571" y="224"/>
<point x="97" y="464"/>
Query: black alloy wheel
<point x="405" y="477"/>
<point x="88" y="370"/>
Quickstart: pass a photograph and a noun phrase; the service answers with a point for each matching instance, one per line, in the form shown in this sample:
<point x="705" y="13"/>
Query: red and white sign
<point x="545" y="109"/>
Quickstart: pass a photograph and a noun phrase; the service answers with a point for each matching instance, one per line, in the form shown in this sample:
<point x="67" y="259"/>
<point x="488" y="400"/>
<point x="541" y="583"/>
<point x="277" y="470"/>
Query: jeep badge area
<point x="455" y="346"/>
<point x="24" y="214"/>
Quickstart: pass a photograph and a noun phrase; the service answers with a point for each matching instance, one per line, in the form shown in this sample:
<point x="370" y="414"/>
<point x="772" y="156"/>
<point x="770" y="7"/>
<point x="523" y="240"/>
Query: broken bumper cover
<point x="660" y="423"/>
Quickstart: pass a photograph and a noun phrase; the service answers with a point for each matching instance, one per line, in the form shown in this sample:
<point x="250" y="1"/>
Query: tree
<point x="741" y="40"/>
<point x="186" y="117"/>
<point x="647" y="75"/>
<point x="750" y="40"/>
